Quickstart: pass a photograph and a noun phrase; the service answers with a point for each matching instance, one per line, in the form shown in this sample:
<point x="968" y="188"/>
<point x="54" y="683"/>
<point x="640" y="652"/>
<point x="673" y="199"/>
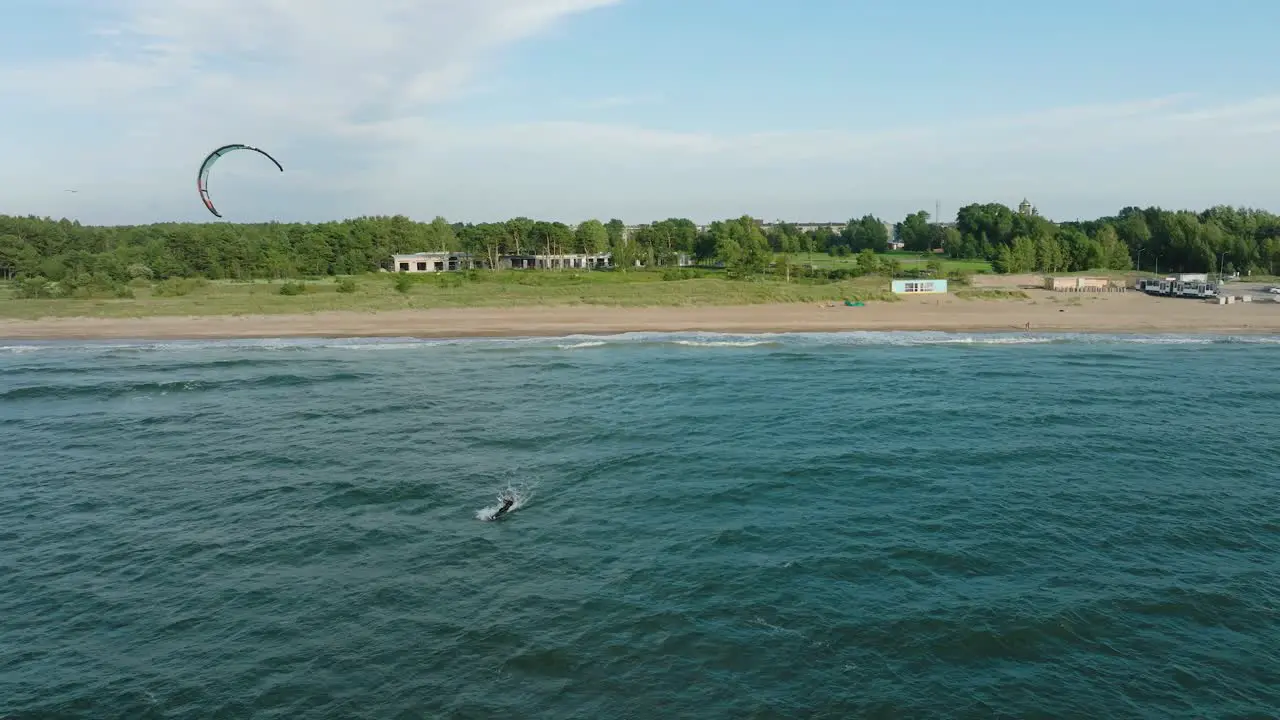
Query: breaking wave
<point x="677" y="339"/>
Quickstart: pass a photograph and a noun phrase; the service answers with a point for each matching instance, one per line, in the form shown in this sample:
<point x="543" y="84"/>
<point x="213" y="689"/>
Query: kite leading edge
<point x="202" y="178"/>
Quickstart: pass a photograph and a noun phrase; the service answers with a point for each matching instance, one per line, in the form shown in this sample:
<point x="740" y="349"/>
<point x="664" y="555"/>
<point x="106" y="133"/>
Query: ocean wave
<point x="104" y="390"/>
<point x="681" y="339"/>
<point x="907" y="516"/>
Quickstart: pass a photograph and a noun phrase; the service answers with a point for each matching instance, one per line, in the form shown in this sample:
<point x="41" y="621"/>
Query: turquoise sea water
<point x="849" y="525"/>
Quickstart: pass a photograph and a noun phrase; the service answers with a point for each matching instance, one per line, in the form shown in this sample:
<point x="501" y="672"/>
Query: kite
<point x="203" y="176"/>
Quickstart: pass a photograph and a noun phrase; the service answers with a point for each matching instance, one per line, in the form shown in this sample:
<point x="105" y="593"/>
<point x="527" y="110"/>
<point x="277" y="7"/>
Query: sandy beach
<point x="1044" y="312"/>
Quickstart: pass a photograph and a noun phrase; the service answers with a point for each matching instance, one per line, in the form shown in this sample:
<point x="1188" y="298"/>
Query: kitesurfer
<point x="507" y="502"/>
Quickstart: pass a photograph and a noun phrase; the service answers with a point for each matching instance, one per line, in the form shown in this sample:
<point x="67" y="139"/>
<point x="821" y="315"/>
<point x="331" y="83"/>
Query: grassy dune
<point x="379" y="292"/>
<point x="907" y="259"/>
<point x="991" y="294"/>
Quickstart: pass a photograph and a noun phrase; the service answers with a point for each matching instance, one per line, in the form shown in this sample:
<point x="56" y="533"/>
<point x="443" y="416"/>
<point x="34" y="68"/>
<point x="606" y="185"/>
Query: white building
<point x="565" y="261"/>
<point x="432" y="262"/>
<point x="912" y="287"/>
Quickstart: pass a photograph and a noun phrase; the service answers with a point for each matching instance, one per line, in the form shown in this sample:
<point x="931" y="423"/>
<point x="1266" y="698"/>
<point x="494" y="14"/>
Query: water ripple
<point x="827" y="525"/>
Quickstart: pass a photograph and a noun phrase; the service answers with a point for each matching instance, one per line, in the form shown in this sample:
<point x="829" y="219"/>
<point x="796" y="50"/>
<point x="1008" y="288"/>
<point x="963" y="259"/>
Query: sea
<point x="844" y="525"/>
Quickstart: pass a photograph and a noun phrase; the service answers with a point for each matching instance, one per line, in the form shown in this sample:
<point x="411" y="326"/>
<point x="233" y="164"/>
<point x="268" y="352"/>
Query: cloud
<point x="1082" y="160"/>
<point x="288" y="65"/>
<point x="167" y="80"/>
<point x="347" y="95"/>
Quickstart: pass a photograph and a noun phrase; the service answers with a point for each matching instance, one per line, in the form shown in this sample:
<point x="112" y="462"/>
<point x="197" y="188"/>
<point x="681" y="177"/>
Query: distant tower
<point x="1024" y="207"/>
<point x="937" y="212"/>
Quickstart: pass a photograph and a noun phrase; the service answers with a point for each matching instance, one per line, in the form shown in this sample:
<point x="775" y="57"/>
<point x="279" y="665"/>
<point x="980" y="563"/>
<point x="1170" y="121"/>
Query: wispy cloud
<point x="170" y="79"/>
<point x="319" y="64"/>
<point x="1167" y="150"/>
<point x="1064" y="130"/>
<point x="345" y="93"/>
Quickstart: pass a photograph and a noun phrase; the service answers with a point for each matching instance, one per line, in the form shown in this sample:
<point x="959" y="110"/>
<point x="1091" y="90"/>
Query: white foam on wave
<point x="522" y="494"/>
<point x="723" y="343"/>
<point x="861" y="337"/>
<point x="20" y="349"/>
<point x="681" y="339"/>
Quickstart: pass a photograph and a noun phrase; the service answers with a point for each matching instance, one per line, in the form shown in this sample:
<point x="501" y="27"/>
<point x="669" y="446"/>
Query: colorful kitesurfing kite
<point x="203" y="177"/>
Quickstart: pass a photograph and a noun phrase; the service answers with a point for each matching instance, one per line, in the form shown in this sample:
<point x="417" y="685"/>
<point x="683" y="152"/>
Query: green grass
<point x="1115" y="274"/>
<point x="907" y="259"/>
<point x="991" y="294"/>
<point x="378" y="292"/>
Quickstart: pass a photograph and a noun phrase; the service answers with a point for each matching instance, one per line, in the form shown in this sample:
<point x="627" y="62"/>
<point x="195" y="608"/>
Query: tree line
<point x="1220" y="238"/>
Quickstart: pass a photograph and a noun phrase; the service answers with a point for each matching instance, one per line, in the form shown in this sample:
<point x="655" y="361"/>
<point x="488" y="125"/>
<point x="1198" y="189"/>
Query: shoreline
<point x="1103" y="314"/>
<point x="131" y="340"/>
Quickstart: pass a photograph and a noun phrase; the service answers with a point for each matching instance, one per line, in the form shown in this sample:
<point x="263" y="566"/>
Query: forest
<point x="1152" y="239"/>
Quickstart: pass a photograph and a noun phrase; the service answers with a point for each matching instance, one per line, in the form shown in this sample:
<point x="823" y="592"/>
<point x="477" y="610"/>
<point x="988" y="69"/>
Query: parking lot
<point x="1258" y="291"/>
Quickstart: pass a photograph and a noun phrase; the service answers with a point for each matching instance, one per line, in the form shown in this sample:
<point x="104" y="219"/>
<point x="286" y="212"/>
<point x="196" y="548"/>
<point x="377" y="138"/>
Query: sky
<point x="481" y="110"/>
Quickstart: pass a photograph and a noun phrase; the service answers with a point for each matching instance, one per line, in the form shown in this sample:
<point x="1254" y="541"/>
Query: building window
<point x="404" y="267"/>
<point x="422" y="266"/>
